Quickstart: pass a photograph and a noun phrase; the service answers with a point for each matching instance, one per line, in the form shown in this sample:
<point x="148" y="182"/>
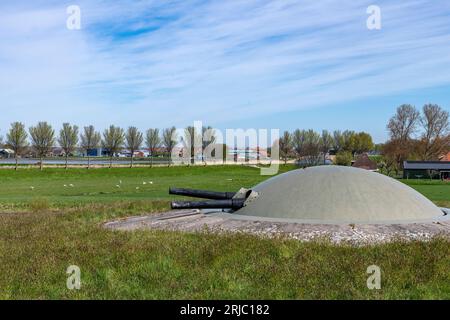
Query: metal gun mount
<point x="217" y="200"/>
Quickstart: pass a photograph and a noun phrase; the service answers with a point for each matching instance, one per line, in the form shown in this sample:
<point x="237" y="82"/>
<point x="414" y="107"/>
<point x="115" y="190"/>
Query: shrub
<point x="344" y="158"/>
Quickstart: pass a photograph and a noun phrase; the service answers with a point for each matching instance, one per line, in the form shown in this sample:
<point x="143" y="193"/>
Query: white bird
<point x="151" y="182"/>
<point x="71" y="185"/>
<point x="144" y="182"/>
<point x="32" y="188"/>
<point x="65" y="186"/>
<point x="137" y="188"/>
<point x="117" y="186"/>
<point x="120" y="181"/>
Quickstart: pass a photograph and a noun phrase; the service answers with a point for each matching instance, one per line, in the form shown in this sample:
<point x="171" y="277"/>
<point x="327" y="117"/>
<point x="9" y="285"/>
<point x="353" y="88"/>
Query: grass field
<point x="46" y="228"/>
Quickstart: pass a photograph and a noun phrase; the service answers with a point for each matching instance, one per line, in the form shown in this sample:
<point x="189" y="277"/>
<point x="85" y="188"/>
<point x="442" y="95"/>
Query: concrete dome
<point x="335" y="194"/>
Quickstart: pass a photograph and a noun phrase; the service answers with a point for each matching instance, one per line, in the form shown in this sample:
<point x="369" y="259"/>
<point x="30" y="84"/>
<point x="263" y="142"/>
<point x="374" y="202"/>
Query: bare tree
<point x="42" y="139"/>
<point x="169" y="140"/>
<point x="153" y="141"/>
<point x="298" y="142"/>
<point x="402" y="126"/>
<point x="113" y="140"/>
<point x="404" y="123"/>
<point x="68" y="139"/>
<point x="307" y="146"/>
<point x="312" y="148"/>
<point x="434" y="140"/>
<point x="16" y="139"/>
<point x="326" y="142"/>
<point x="134" y="141"/>
<point x="90" y="139"/>
<point x="338" y="141"/>
<point x="285" y="145"/>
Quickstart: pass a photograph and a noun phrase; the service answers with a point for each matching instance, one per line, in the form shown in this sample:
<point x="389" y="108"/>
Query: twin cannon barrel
<point x="217" y="200"/>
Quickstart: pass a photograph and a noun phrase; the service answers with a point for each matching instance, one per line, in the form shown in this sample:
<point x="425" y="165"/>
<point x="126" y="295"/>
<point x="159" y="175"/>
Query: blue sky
<point x="231" y="64"/>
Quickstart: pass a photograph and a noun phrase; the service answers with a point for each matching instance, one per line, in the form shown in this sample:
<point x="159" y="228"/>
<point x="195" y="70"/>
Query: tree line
<point x="42" y="138"/>
<point x="306" y="145"/>
<point x="415" y="135"/>
<point x="412" y="135"/>
<point x="312" y="147"/>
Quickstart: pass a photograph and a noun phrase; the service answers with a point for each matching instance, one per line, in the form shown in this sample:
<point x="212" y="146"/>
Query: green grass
<point x="436" y="190"/>
<point x="100" y="185"/>
<point x="43" y="231"/>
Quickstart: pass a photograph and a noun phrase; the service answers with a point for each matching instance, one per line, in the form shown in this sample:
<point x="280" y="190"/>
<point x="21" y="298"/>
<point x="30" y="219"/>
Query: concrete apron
<point x="223" y="222"/>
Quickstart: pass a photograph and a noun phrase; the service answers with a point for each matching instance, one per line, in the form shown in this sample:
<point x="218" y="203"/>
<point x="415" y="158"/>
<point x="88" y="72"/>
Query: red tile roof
<point x="445" y="157"/>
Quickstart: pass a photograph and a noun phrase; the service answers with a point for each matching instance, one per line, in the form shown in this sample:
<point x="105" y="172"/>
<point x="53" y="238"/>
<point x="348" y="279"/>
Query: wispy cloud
<point x="155" y="63"/>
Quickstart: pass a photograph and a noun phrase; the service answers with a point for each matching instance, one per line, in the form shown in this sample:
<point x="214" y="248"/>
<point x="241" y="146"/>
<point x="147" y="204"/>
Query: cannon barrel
<point x="214" y="195"/>
<point x="209" y="204"/>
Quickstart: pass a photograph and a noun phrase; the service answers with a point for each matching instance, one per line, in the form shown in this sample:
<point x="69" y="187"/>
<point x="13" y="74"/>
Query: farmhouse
<point x="364" y="162"/>
<point x="426" y="169"/>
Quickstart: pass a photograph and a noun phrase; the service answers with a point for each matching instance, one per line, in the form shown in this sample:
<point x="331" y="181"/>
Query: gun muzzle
<point x="213" y="195"/>
<point x="211" y="204"/>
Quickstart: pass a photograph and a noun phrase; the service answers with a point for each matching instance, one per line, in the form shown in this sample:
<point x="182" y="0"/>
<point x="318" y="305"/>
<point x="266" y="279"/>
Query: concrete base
<point x="360" y="234"/>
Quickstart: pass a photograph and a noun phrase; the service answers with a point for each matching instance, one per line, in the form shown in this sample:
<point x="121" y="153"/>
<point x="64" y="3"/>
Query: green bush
<point x="344" y="158"/>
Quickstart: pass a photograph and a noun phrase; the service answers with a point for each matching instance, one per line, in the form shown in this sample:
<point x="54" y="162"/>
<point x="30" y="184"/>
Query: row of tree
<point x="415" y="135"/>
<point x="412" y="135"/>
<point x="307" y="145"/>
<point x="43" y="138"/>
<point x="311" y="147"/>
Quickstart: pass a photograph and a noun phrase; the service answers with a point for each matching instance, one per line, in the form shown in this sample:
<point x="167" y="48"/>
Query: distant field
<point x="101" y="185"/>
<point x="436" y="190"/>
<point x="119" y="184"/>
<point x="45" y="229"/>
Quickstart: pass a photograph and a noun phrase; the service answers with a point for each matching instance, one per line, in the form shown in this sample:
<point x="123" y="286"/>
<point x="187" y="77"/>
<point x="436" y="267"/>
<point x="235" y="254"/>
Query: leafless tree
<point x="326" y="143"/>
<point x="307" y="146"/>
<point x="298" y="142"/>
<point x="134" y="139"/>
<point x="312" y="148"/>
<point x="113" y="140"/>
<point x="435" y="124"/>
<point x="68" y="139"/>
<point x="42" y="139"/>
<point x="338" y="141"/>
<point x="285" y="145"/>
<point x="401" y="127"/>
<point x="403" y="124"/>
<point x="153" y="141"/>
<point x="169" y="141"/>
<point x="16" y="139"/>
<point x="90" y="139"/>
